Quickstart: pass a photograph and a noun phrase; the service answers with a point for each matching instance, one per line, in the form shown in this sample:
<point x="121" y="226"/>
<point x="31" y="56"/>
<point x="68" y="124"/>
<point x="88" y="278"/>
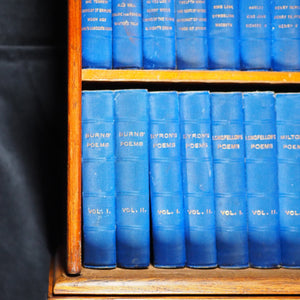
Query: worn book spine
<point x="197" y="173"/>
<point x="96" y="34"/>
<point x="288" y="139"/>
<point x="255" y="34"/>
<point x="159" y="34"/>
<point x="223" y="34"/>
<point x="191" y="34"/>
<point x="98" y="180"/>
<point x="132" y="179"/>
<point x="229" y="179"/>
<point x="168" y="233"/>
<point x="261" y="173"/>
<point x="127" y="34"/>
<point x="285" y="35"/>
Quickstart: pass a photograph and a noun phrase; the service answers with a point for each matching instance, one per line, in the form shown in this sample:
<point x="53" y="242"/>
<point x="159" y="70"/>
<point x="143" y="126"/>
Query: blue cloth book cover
<point x="127" y="34"/>
<point x="288" y="141"/>
<point x="191" y="34"/>
<point x="197" y="173"/>
<point x="167" y="211"/>
<point x="223" y="34"/>
<point x="229" y="179"/>
<point x="261" y="173"/>
<point x="132" y="179"/>
<point x="285" y="35"/>
<point x="159" y="34"/>
<point x="255" y="34"/>
<point x="96" y="31"/>
<point x="98" y="180"/>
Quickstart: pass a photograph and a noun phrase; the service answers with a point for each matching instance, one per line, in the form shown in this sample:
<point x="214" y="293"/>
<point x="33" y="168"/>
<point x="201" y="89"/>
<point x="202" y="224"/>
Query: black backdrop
<point x="33" y="106"/>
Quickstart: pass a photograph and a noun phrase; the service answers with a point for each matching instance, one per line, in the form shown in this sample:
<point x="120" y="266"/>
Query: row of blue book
<point x="202" y="179"/>
<point x="191" y="34"/>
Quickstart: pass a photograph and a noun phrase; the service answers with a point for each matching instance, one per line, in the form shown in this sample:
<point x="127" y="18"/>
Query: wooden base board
<point x="185" y="283"/>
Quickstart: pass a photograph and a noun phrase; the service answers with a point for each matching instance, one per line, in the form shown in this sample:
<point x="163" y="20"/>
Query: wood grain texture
<point x="218" y="76"/>
<point x="179" y="282"/>
<point x="171" y="298"/>
<point x="86" y="283"/>
<point x="74" y="139"/>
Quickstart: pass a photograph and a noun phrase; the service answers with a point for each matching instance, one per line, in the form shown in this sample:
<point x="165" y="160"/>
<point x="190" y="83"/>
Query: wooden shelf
<point x="177" y="282"/>
<point x="217" y="76"/>
<point x="151" y="283"/>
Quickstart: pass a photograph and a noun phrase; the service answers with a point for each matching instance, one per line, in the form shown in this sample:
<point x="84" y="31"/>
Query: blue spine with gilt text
<point x="223" y="34"/>
<point x="288" y="141"/>
<point x="229" y="179"/>
<point x="127" y="34"/>
<point x="197" y="173"/>
<point x="132" y="179"/>
<point x="191" y="34"/>
<point x="159" y="34"/>
<point x="285" y="35"/>
<point x="96" y="29"/>
<point x="98" y="180"/>
<point x="255" y="34"/>
<point x="262" y="185"/>
<point x="167" y="211"/>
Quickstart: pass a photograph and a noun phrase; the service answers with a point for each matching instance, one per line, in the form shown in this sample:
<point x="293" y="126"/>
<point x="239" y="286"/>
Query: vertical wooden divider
<point x="74" y="138"/>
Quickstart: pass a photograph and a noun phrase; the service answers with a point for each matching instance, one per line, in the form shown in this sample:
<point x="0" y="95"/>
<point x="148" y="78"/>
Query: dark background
<point x="33" y="106"/>
<point x="33" y="140"/>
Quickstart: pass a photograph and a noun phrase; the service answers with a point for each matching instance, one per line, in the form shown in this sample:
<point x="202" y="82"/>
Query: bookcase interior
<point x="152" y="281"/>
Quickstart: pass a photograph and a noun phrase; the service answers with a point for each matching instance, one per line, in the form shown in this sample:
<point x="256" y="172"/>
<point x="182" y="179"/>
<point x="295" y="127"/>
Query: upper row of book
<point x="191" y="34"/>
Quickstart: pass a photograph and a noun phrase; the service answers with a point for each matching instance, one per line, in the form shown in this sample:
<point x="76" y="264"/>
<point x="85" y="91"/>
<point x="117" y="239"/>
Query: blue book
<point x="229" y="179"/>
<point x="98" y="180"/>
<point x="132" y="179"/>
<point x="255" y="34"/>
<point x="127" y="34"/>
<point x="191" y="34"/>
<point x="167" y="212"/>
<point x="223" y="34"/>
<point x="262" y="187"/>
<point x="197" y="173"/>
<point x="288" y="142"/>
<point x="159" y="34"/>
<point x="96" y="31"/>
<point x="286" y="35"/>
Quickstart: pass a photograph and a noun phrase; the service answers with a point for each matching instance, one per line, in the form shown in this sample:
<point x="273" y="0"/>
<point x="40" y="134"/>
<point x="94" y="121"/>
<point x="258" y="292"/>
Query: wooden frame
<point x="74" y="138"/>
<point x="153" y="282"/>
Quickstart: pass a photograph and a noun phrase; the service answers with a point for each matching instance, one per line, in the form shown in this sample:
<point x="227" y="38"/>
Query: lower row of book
<point x="202" y="179"/>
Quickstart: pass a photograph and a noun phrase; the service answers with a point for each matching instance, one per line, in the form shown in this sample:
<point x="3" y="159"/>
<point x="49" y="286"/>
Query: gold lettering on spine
<point x="291" y="147"/>
<point x="292" y="213"/>
<point x="96" y="20"/>
<point x="228" y="146"/>
<point x="228" y="137"/>
<point x="262" y="146"/>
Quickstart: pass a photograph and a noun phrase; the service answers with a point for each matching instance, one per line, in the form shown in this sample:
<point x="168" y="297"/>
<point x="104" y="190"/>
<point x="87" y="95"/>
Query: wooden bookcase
<point x="69" y="280"/>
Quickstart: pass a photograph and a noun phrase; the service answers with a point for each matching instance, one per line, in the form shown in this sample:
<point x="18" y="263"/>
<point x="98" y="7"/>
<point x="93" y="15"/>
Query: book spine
<point x="132" y="184"/>
<point x="288" y="139"/>
<point x="127" y="34"/>
<point x="159" y="34"/>
<point x="98" y="180"/>
<point x="96" y="34"/>
<point x="167" y="210"/>
<point x="255" y="34"/>
<point x="229" y="179"/>
<point x="191" y="34"/>
<point x="261" y="173"/>
<point x="197" y="173"/>
<point x="285" y="35"/>
<point x="223" y="34"/>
